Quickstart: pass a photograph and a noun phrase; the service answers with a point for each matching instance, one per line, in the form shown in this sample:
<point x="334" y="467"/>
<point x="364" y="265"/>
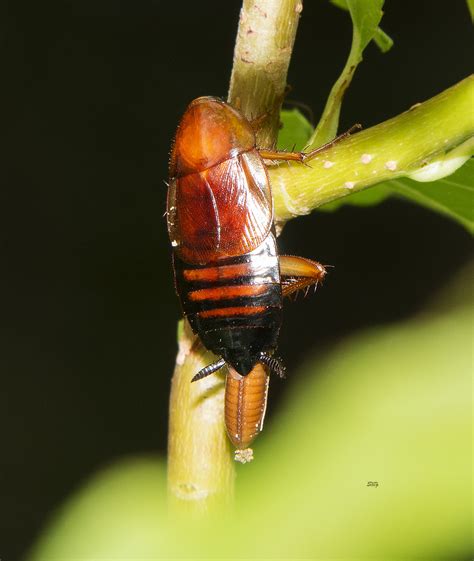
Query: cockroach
<point x="228" y="274"/>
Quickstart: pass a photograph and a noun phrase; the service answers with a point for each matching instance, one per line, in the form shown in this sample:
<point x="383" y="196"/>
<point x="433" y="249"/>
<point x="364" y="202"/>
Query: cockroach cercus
<point x="228" y="274"/>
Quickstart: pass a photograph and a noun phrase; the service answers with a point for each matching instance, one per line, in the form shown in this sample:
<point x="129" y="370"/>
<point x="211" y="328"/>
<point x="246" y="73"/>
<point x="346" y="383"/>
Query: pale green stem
<point x="196" y="481"/>
<point x="200" y="464"/>
<point x="265" y="39"/>
<point x="398" y="147"/>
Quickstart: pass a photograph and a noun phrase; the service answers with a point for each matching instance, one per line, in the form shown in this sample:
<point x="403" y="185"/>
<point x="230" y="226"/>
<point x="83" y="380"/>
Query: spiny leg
<point x="209" y="369"/>
<point x="298" y="273"/>
<point x="304" y="156"/>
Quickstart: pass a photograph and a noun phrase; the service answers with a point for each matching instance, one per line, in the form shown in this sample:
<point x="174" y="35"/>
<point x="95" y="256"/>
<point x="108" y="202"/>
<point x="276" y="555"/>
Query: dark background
<point x="92" y="93"/>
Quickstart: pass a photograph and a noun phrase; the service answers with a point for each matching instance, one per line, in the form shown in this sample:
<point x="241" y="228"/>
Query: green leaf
<point x="381" y="39"/>
<point x="366" y="15"/>
<point x="451" y="196"/>
<point x="295" y="132"/>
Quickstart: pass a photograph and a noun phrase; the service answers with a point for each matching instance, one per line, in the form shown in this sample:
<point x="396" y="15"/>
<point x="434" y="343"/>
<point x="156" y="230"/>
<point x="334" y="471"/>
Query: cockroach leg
<point x="257" y="122"/>
<point x="305" y="156"/>
<point x="298" y="273"/>
<point x="209" y="369"/>
<point x="312" y="153"/>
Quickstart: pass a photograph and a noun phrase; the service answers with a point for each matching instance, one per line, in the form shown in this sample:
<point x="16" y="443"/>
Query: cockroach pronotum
<point x="228" y="274"/>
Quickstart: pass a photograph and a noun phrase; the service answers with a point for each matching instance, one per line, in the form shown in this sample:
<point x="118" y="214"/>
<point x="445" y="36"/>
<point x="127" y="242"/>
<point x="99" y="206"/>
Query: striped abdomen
<point x="245" y="405"/>
<point x="234" y="305"/>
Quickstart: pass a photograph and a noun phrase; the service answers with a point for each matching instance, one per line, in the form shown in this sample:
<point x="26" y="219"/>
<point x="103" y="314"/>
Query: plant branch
<point x="200" y="465"/>
<point x="196" y="481"/>
<point x="407" y="144"/>
<point x="265" y="39"/>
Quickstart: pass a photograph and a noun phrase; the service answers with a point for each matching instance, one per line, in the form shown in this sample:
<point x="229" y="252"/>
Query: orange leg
<point x="298" y="273"/>
<point x="304" y="156"/>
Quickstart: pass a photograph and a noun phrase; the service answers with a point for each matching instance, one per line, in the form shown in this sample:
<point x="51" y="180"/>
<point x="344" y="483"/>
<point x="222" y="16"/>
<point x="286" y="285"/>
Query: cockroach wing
<point x="221" y="212"/>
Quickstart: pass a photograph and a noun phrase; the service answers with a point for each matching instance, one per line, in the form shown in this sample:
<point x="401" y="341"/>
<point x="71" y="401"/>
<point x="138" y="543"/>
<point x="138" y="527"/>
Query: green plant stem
<point x="401" y="146"/>
<point x="265" y="38"/>
<point x="200" y="464"/>
<point x="196" y="481"/>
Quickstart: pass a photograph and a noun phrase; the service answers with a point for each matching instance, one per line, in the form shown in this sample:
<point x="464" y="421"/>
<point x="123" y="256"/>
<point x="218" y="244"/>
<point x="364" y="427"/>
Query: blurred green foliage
<point x="391" y="406"/>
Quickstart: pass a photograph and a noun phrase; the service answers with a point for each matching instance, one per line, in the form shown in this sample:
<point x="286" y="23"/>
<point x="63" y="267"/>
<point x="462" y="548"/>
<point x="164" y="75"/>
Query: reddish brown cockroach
<point x="228" y="274"/>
